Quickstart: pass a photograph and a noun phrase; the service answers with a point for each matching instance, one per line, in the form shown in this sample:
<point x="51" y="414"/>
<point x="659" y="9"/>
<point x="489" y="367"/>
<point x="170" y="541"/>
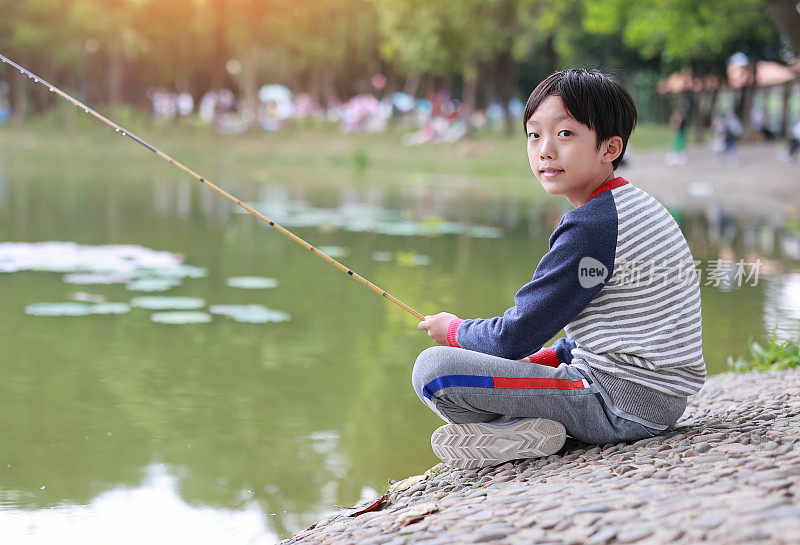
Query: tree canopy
<point x="113" y="50"/>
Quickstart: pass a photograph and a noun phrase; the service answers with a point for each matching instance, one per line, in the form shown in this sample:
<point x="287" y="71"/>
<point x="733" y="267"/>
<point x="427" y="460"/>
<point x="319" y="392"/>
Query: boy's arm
<point x="568" y="277"/>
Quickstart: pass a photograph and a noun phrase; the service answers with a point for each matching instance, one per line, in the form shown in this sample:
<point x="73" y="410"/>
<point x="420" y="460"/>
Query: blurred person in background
<point x="677" y="146"/>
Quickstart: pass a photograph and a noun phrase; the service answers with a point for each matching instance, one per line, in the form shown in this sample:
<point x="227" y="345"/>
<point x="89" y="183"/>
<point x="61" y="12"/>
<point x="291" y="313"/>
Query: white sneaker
<point x="473" y="445"/>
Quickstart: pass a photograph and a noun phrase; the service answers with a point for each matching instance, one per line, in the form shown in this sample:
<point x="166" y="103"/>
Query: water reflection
<point x="152" y="512"/>
<point x="782" y="306"/>
<point x="430" y="210"/>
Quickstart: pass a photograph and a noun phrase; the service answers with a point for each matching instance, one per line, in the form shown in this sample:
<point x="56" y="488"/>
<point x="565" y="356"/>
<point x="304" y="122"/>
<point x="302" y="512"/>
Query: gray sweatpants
<point x="463" y="386"/>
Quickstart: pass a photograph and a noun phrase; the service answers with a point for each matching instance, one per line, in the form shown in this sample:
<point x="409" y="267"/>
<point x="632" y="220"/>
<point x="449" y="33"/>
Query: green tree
<point x="450" y="37"/>
<point x="681" y="31"/>
<point x="785" y="15"/>
<point x="38" y="35"/>
<point x="700" y="35"/>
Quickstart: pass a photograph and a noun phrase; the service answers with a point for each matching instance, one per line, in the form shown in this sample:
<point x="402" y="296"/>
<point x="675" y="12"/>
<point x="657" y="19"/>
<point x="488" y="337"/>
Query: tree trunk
<point x="711" y="107"/>
<point x="787" y="94"/>
<point x="250" y="86"/>
<point x="115" y="69"/>
<point x="787" y="19"/>
<point x="505" y="86"/>
<point x="329" y="85"/>
<point x="391" y="78"/>
<point x="68" y="113"/>
<point x="693" y="113"/>
<point x="315" y="87"/>
<point x="412" y="84"/>
<point x="748" y="93"/>
<point x="219" y="74"/>
<point x="19" y="98"/>
<point x="699" y="116"/>
<point x="43" y="98"/>
<point x="470" y="76"/>
<point x="482" y="94"/>
<point x="87" y="83"/>
<point x="550" y="55"/>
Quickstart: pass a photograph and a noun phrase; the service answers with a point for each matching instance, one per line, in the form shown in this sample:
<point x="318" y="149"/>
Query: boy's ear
<point x="612" y="148"/>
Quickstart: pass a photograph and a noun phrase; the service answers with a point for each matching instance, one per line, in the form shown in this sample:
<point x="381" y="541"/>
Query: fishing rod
<point x="256" y="213"/>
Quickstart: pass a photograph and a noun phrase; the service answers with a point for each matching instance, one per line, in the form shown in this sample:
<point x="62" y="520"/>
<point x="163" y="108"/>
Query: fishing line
<point x="256" y="213"/>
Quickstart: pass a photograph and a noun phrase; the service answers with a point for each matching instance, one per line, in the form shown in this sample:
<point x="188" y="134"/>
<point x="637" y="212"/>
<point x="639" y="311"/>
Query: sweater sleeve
<point x="568" y="277"/>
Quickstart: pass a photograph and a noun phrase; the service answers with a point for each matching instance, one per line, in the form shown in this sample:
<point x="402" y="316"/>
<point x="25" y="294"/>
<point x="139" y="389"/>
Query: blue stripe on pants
<point x="456" y="380"/>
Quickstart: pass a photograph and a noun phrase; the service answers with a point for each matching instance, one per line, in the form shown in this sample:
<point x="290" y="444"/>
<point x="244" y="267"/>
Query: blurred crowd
<point x="437" y="118"/>
<point x="727" y="130"/>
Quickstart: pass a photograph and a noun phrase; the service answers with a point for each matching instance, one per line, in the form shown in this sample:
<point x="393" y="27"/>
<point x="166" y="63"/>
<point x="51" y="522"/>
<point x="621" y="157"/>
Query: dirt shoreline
<point x="761" y="185"/>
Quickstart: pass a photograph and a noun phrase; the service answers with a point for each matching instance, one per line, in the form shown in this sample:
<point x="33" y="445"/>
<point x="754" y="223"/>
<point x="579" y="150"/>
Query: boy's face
<point x="563" y="153"/>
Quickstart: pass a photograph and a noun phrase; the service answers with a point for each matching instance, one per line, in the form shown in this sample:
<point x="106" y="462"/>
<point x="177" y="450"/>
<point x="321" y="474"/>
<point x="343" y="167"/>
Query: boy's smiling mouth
<point x="549" y="172"/>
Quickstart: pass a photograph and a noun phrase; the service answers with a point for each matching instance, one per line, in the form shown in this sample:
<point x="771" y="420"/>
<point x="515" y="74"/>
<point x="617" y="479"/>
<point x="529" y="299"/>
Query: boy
<point x="619" y="279"/>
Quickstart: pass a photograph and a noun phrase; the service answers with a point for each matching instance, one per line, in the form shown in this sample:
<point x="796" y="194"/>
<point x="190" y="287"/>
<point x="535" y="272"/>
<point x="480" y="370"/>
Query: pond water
<point x="117" y="426"/>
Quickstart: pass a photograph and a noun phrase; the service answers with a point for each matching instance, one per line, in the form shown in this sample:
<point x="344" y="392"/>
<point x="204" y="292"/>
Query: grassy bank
<point x="315" y="146"/>
<point x="777" y="355"/>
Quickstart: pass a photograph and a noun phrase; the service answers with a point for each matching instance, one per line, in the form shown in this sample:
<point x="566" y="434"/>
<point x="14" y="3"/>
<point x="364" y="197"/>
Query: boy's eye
<point x="533" y="135"/>
<point x="565" y="133"/>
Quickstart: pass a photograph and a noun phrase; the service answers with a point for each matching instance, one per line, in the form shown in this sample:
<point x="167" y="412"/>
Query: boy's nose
<point x="546" y="151"/>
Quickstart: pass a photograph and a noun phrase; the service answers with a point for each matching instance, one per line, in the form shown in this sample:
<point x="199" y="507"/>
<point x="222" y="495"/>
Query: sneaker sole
<point x="469" y="446"/>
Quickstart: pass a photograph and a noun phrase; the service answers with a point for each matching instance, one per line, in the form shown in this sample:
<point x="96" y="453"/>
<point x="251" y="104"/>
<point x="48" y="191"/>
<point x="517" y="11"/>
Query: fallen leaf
<point x="405" y="484"/>
<point x="354" y="512"/>
<point x="416" y="513"/>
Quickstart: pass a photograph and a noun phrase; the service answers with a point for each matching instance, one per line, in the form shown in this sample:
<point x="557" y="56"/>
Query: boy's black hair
<point x="591" y="98"/>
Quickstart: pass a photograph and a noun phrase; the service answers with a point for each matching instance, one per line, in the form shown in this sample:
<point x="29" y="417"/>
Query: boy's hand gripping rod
<point x="119" y="129"/>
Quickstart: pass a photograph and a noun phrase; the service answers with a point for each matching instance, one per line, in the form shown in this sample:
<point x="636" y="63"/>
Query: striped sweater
<point x="619" y="278"/>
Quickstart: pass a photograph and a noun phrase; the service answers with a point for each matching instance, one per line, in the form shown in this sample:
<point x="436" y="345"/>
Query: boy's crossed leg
<point x="488" y="399"/>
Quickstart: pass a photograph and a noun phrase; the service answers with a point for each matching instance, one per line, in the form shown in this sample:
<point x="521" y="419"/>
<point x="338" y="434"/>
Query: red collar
<point x="611" y="184"/>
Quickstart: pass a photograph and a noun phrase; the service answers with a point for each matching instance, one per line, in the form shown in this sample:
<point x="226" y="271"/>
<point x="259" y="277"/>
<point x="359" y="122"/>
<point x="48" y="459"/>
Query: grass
<point x="435" y="471"/>
<point x="776" y="356"/>
<point x="319" y="147"/>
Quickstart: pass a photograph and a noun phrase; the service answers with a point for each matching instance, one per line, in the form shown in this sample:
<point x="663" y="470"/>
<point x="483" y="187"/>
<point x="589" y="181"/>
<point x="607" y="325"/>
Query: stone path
<point x="728" y="473"/>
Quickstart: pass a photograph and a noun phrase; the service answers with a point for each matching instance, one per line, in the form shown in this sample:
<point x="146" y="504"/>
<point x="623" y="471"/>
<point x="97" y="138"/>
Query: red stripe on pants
<point x="542" y="383"/>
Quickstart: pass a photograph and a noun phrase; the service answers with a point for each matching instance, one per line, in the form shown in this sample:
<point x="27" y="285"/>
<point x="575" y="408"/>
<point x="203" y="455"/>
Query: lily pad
<point x="89" y="278"/>
<point x="181" y="317"/>
<point x="250" y="314"/>
<point x="383" y="257"/>
<point x="152" y="284"/>
<point x="252" y="282"/>
<point x="485" y="231"/>
<point x="168" y="303"/>
<point x="334" y="251"/>
<point x="72" y="257"/>
<point x="110" y="308"/>
<point x="57" y="309"/>
<point x="54" y="267"/>
<point x="410" y="259"/>
<point x="227" y="310"/>
<point x="400" y="228"/>
<point x="260" y="316"/>
<point x="176" y="271"/>
<point x="85" y="297"/>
